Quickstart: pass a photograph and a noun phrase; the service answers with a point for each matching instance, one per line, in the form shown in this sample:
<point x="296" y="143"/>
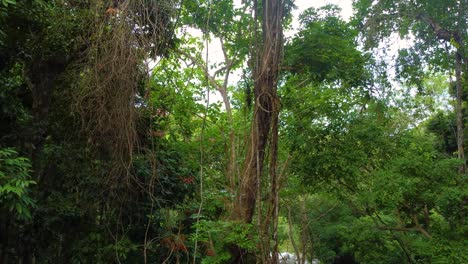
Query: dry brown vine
<point x="125" y="34"/>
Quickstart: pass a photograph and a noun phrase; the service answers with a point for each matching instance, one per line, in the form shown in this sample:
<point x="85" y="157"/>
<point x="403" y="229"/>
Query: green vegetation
<point x="194" y="132"/>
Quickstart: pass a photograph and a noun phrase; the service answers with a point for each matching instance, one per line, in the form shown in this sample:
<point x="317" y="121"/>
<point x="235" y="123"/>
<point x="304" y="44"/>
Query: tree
<point x="265" y="61"/>
<point x="58" y="56"/>
<point x="439" y="31"/>
<point x="105" y="160"/>
<point x="226" y="24"/>
<point x="346" y="141"/>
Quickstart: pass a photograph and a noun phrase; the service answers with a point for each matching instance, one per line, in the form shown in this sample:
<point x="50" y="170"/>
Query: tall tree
<point x="225" y="23"/>
<point x="440" y="32"/>
<point x="265" y="61"/>
<point x="55" y="55"/>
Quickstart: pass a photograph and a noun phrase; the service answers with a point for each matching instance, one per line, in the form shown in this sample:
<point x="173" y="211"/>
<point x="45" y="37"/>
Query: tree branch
<point x="417" y="228"/>
<point x="201" y="65"/>
<point x="440" y="32"/>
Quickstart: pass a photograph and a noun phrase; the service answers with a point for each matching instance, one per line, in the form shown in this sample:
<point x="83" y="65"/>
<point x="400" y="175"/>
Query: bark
<point x="460" y="66"/>
<point x="265" y="117"/>
<point x="265" y="108"/>
<point x="419" y="227"/>
<point x="416" y="228"/>
<point x="407" y="229"/>
<point x="459" y="111"/>
<point x="291" y="233"/>
<point x="400" y="243"/>
<point x="275" y="186"/>
<point x="459" y="59"/>
<point x="232" y="138"/>
<point x="40" y="78"/>
<point x="440" y="32"/>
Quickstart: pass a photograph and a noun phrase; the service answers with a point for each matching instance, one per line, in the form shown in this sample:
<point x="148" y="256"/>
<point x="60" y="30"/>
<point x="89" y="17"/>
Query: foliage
<point x="384" y="174"/>
<point x="218" y="236"/>
<point x="15" y="184"/>
<point x="325" y="49"/>
<point x="110" y="152"/>
<point x="380" y="173"/>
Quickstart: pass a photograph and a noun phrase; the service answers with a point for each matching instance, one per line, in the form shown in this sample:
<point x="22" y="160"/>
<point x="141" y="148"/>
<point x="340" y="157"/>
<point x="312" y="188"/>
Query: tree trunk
<point x="265" y="73"/>
<point x="459" y="110"/>
<point x="275" y="186"/>
<point x="40" y="77"/>
<point x="265" y="108"/>
<point x="460" y="57"/>
<point x="291" y="235"/>
<point x="304" y="229"/>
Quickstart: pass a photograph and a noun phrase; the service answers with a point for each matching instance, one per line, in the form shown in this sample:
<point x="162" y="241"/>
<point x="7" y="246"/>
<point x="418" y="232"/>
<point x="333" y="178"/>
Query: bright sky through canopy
<point x="345" y="5"/>
<point x="215" y="51"/>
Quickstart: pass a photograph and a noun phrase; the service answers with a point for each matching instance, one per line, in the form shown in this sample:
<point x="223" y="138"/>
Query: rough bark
<point x="40" y="76"/>
<point x="265" y="73"/>
<point x="275" y="186"/>
<point x="460" y="58"/>
<point x="265" y="107"/>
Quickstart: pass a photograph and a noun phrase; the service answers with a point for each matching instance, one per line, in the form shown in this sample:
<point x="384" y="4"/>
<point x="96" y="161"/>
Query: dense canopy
<point x="195" y="131"/>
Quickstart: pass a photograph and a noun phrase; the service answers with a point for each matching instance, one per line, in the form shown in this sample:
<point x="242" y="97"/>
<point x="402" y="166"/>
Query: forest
<point x="233" y="131"/>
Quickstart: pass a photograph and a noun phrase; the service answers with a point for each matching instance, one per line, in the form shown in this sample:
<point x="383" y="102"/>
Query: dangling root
<point x="106" y="99"/>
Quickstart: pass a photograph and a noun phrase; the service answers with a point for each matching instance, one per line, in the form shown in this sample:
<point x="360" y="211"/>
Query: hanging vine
<point x="125" y="34"/>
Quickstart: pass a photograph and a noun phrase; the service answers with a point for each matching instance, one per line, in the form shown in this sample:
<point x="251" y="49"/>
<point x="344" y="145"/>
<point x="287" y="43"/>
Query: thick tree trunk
<point x="265" y="108"/>
<point x="265" y="73"/>
<point x="40" y="77"/>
